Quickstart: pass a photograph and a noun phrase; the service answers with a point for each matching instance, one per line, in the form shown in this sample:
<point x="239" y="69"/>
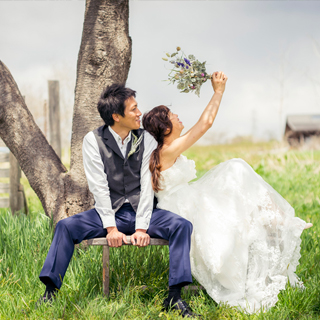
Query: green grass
<point x="139" y="276"/>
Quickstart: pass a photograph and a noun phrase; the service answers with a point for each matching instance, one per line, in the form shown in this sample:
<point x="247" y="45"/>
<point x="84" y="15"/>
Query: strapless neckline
<point x="173" y="164"/>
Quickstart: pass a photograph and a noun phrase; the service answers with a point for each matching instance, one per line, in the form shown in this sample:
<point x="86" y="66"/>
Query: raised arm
<point x="205" y="122"/>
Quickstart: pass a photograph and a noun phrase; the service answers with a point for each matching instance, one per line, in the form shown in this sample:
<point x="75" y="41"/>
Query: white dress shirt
<point x="98" y="183"/>
<point x="122" y="145"/>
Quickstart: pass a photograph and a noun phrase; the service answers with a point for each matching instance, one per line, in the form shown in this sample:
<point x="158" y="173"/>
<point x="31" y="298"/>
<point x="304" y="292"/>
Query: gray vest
<point x="123" y="174"/>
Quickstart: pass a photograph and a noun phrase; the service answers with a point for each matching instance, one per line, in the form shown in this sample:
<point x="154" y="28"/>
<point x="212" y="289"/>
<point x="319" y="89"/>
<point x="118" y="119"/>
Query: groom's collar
<point x="118" y="138"/>
<point x="111" y="141"/>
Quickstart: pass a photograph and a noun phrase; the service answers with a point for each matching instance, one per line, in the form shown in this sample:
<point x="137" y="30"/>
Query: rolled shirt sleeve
<point x="97" y="180"/>
<point x="145" y="206"/>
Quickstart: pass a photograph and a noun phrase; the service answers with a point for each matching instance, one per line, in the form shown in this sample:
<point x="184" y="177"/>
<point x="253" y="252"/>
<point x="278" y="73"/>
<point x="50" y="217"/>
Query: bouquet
<point x="187" y="71"/>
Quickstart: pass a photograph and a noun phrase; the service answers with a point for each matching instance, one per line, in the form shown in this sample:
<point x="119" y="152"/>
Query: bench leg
<point x="105" y="270"/>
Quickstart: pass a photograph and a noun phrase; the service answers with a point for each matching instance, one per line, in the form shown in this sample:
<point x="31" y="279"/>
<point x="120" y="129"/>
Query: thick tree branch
<point x="21" y="134"/>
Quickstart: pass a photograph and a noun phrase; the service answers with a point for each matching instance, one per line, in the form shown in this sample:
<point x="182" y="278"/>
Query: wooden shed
<point x="300" y="128"/>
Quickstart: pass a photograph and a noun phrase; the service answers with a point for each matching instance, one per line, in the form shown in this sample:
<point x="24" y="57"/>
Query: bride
<point x="246" y="239"/>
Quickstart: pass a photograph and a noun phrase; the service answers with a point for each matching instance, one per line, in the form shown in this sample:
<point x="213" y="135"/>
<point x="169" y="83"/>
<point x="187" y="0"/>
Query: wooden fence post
<point x="17" y="196"/>
<point x="54" y="116"/>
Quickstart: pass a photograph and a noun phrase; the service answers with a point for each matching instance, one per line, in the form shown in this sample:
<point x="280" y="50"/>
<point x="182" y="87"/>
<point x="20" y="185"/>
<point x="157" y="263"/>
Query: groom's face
<point x="132" y="114"/>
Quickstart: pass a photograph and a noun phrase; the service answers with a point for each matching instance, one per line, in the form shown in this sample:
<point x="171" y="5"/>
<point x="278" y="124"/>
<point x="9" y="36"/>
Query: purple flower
<point x="187" y="61"/>
<point x="202" y="74"/>
<point x="187" y="67"/>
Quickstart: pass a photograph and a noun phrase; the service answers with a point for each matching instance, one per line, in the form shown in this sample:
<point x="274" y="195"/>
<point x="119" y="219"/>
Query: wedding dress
<point x="246" y="240"/>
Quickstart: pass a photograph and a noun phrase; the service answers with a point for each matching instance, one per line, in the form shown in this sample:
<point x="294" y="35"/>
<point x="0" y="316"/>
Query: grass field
<point x="25" y="240"/>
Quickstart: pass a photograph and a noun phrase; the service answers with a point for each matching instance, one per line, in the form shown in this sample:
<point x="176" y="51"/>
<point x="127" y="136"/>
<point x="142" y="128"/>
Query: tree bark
<point x="104" y="58"/>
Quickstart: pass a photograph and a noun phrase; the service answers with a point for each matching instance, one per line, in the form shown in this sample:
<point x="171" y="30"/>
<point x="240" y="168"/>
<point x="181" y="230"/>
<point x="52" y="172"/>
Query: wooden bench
<point x="105" y="256"/>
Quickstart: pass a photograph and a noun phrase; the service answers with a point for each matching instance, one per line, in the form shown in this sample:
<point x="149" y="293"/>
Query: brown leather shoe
<point x="181" y="306"/>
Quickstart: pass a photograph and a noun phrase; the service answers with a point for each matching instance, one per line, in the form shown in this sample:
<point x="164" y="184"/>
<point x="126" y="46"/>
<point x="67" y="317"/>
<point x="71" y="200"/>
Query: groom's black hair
<point x="112" y="101"/>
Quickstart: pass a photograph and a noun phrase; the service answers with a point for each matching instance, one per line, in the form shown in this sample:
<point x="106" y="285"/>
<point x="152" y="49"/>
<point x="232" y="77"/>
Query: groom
<point x="116" y="162"/>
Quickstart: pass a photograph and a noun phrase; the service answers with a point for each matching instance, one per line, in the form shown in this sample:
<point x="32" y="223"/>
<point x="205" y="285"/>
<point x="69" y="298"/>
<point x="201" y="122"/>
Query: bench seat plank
<point x="103" y="242"/>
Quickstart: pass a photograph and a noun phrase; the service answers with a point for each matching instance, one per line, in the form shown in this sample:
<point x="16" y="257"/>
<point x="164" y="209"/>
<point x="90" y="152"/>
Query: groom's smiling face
<point x="132" y="114"/>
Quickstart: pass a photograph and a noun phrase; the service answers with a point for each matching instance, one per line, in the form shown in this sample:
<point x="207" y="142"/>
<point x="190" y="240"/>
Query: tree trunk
<point x="104" y="58"/>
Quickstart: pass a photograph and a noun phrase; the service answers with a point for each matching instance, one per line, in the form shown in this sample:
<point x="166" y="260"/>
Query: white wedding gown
<point x="246" y="239"/>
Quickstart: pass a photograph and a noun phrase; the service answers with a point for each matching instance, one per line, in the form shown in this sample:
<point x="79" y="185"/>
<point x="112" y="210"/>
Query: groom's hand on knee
<point x="140" y="238"/>
<point x="115" y="238"/>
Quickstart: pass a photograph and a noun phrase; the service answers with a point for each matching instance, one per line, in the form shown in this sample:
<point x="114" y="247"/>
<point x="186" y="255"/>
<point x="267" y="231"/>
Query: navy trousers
<point x="87" y="225"/>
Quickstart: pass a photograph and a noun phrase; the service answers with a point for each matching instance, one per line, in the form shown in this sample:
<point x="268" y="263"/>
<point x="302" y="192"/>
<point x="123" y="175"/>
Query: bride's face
<point x="177" y="125"/>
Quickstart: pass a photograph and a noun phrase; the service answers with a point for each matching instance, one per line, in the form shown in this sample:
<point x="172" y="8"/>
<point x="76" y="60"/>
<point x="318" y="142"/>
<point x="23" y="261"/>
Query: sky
<point x="270" y="51"/>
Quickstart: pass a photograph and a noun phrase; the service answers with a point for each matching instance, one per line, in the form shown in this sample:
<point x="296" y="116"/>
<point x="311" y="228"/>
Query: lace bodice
<point x="177" y="176"/>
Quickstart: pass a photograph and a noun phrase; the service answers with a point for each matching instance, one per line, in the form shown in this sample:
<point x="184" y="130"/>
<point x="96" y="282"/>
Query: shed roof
<point x="302" y="122"/>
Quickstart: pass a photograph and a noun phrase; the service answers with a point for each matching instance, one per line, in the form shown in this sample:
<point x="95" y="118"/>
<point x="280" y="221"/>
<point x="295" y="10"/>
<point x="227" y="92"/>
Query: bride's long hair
<point x="157" y="122"/>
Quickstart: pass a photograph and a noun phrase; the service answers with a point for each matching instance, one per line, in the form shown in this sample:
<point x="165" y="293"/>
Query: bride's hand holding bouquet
<point x="187" y="72"/>
<point x="218" y="81"/>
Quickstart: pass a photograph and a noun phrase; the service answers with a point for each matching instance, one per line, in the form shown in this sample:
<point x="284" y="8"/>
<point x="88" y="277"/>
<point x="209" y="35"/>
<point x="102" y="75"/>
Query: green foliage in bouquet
<point x="188" y="72"/>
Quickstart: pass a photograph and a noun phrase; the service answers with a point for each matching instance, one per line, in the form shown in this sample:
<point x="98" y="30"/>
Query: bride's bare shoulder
<point x="167" y="158"/>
